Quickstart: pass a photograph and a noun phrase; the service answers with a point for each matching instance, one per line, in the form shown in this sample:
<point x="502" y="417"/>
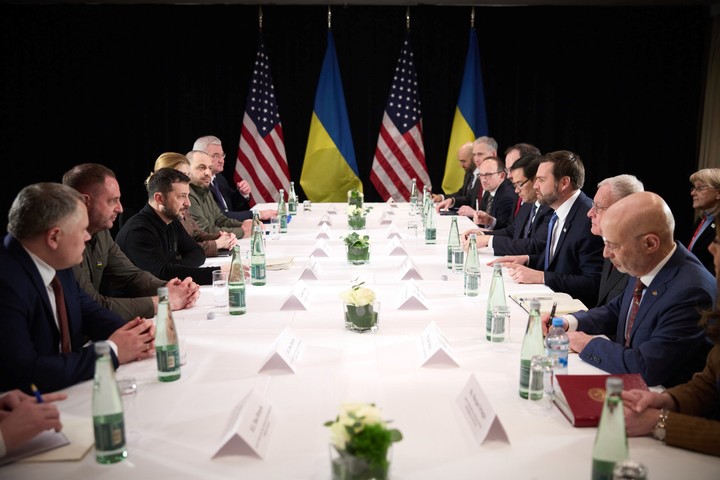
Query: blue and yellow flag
<point x="329" y="169"/>
<point x="470" y="120"/>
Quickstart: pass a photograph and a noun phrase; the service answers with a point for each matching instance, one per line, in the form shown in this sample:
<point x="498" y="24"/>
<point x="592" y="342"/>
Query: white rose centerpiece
<point x="360" y="308"/>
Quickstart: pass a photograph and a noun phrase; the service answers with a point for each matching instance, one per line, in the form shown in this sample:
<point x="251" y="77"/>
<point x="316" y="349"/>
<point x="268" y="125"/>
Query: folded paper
<point x="248" y="432"/>
<point x="297" y="300"/>
<point x="479" y="413"/>
<point x="434" y="348"/>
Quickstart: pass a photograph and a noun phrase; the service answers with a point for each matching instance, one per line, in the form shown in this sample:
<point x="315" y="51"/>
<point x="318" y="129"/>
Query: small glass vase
<point x="356" y="222"/>
<point x="355" y="198"/>
<point x="358" y="255"/>
<point x="348" y="467"/>
<point x="363" y="318"/>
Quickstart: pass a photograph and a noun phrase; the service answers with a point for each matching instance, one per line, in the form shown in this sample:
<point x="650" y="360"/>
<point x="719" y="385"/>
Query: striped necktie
<point x="548" y="246"/>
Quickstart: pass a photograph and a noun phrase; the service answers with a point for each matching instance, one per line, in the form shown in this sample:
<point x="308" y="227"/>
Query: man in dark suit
<point x="45" y="317"/>
<point x="499" y="199"/>
<point x="528" y="231"/>
<point x="653" y="325"/>
<point x="465" y="158"/>
<point x="610" y="190"/>
<point x="234" y="203"/>
<point x="482" y="148"/>
<point x="572" y="260"/>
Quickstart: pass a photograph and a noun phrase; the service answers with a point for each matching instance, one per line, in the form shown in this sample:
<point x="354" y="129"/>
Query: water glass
<point x="541" y="387"/>
<point x="458" y="259"/>
<point x="412" y="227"/>
<point x="220" y="288"/>
<point x="500" y="323"/>
<point x="274" y="227"/>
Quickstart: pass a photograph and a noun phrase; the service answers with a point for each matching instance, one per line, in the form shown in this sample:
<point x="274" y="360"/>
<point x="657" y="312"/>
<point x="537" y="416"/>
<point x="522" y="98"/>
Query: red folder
<point x="580" y="397"/>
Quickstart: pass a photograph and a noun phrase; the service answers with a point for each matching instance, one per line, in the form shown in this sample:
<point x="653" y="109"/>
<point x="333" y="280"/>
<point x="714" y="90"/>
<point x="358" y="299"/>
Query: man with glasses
<point x="528" y="232"/>
<point x="652" y="327"/>
<point x="498" y="200"/>
<point x="610" y="190"/>
<point x="572" y="259"/>
<point x="233" y="203"/>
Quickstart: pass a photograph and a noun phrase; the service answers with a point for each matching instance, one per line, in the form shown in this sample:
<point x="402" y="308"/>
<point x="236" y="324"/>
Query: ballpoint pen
<point x="36" y="392"/>
<point x="552" y="311"/>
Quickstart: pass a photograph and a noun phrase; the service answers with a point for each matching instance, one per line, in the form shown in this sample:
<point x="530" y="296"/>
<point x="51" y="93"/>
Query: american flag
<point x="400" y="155"/>
<point x="261" y="156"/>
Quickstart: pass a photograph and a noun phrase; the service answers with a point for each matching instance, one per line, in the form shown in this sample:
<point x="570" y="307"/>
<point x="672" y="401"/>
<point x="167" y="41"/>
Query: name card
<point x="251" y="423"/>
<point x="409" y="270"/>
<point x="297" y="300"/>
<point x="320" y="249"/>
<point x="412" y="297"/>
<point x="284" y="353"/>
<point x="311" y="270"/>
<point x="396" y="248"/>
<point x="434" y="347"/>
<point x="391" y="201"/>
<point x="479" y="414"/>
<point x="332" y="210"/>
<point x="386" y="219"/>
<point x="392" y="232"/>
<point x="325" y="220"/>
<point x="324" y="232"/>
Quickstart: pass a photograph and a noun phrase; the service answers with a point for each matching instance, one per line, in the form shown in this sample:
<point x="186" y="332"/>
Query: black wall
<point x="119" y="85"/>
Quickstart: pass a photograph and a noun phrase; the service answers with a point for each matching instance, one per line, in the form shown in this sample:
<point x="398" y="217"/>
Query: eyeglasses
<point x="701" y="188"/>
<point x="217" y="156"/>
<point x="486" y="175"/>
<point x="612" y="246"/>
<point x="519" y="185"/>
<point x="597" y="207"/>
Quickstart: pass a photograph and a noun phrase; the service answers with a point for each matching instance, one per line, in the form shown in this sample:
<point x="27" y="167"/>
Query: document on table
<point x="72" y="443"/>
<point x="278" y="263"/>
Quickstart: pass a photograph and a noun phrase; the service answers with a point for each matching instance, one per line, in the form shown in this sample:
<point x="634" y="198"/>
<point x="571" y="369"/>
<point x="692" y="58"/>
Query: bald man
<point x="465" y="157"/>
<point x="663" y="341"/>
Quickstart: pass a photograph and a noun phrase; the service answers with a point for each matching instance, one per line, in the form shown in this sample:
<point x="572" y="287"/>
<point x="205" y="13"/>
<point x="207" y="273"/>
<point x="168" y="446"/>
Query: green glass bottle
<point x="167" y="345"/>
<point x="532" y="345"/>
<point x="496" y="298"/>
<point x="282" y="211"/>
<point x="257" y="258"/>
<point x="611" y="444"/>
<point x="107" y="409"/>
<point x="471" y="270"/>
<point x="236" y="283"/>
<point x="430" y="228"/>
<point x="453" y="241"/>
<point x="292" y="200"/>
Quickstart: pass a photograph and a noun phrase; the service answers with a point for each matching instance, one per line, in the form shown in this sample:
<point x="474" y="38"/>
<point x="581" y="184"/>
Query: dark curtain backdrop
<point x="119" y="85"/>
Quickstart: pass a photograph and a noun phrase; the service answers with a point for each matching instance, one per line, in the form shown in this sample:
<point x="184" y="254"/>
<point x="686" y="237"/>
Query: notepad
<point x="565" y="303"/>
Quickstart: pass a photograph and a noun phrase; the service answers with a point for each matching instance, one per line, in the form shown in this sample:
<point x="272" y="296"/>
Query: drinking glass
<point x="220" y="288"/>
<point x="412" y="227"/>
<point x="274" y="227"/>
<point x="458" y="259"/>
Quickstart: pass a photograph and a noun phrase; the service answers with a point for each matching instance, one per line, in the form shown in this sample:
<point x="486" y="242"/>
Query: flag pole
<point x="260" y="17"/>
<point x="472" y="17"/>
<point x="329" y="18"/>
<point x="407" y="19"/>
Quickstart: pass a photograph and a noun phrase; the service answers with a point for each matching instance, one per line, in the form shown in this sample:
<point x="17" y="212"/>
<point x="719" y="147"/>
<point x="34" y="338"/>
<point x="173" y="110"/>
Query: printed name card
<point x="332" y="210"/>
<point x="390" y="201"/>
<point x="324" y="232"/>
<point x="386" y="218"/>
<point x="311" y="270"/>
<point x="297" y="300"/>
<point x="325" y="220"/>
<point x="434" y="347"/>
<point x="320" y="249"/>
<point x="251" y="423"/>
<point x="396" y="248"/>
<point x="392" y="232"/>
<point x="284" y="353"/>
<point x="479" y="414"/>
<point x="409" y="270"/>
<point x="412" y="297"/>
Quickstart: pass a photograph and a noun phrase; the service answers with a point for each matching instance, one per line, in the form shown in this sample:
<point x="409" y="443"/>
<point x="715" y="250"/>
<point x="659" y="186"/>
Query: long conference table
<point x="174" y="430"/>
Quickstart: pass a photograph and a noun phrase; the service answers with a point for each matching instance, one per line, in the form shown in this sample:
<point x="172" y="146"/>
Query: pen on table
<point x="552" y="311"/>
<point x="527" y="299"/>
<point x="36" y="392"/>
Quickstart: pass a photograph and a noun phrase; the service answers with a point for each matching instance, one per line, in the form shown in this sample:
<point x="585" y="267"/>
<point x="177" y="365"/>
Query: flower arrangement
<point x="360" y="308"/>
<point x="354" y="239"/>
<point x="358" y="295"/>
<point x="361" y="439"/>
<point x="356" y="217"/>
<point x="357" y="248"/>
<point x="355" y="197"/>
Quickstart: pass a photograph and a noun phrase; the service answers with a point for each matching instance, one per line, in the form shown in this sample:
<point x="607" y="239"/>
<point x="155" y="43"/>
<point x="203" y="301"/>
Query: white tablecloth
<point x="174" y="429"/>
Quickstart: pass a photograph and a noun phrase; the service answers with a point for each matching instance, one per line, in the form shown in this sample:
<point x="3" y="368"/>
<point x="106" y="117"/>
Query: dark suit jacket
<point x="29" y="336"/>
<point x="503" y="206"/>
<point x="237" y="206"/>
<point x="470" y="194"/>
<point x="577" y="263"/>
<point x="666" y="344"/>
<point x="509" y="241"/>
<point x="612" y="283"/>
<point x="467" y="180"/>
<point x="700" y="249"/>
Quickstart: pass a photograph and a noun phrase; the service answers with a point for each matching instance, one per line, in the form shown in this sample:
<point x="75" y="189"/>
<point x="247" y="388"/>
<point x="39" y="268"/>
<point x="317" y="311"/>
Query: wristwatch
<point x="659" y="429"/>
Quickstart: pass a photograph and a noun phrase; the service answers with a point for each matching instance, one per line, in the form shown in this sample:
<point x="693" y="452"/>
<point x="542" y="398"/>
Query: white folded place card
<point x="311" y="270"/>
<point x="320" y="249"/>
<point x="434" y="348"/>
<point x="324" y="231"/>
<point x="396" y="248"/>
<point x="325" y="220"/>
<point x="408" y="270"/>
<point x="251" y="423"/>
<point x="332" y="210"/>
<point x="297" y="300"/>
<point x="412" y="297"/>
<point x="391" y="201"/>
<point x="479" y="414"/>
<point x="285" y="351"/>
<point x="392" y="231"/>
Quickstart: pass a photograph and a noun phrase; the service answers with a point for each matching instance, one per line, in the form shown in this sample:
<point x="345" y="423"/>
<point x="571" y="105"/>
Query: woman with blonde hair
<point x="211" y="243"/>
<point x="705" y="193"/>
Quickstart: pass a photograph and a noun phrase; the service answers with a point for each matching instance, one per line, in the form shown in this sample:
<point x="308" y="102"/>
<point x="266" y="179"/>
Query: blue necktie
<point x="218" y="196"/>
<point x="548" y="247"/>
<point x="528" y="225"/>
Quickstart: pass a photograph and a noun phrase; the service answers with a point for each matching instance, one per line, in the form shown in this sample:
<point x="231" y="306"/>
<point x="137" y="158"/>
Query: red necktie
<point x="479" y="194"/>
<point x="517" y="207"/>
<point x="697" y="231"/>
<point x="62" y="315"/>
<point x="637" y="296"/>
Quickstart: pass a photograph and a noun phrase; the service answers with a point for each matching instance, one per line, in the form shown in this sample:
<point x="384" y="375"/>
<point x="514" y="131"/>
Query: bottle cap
<point x="497" y="266"/>
<point x="472" y="237"/>
<point x="557" y="322"/>
<point x="102" y="348"/>
<point x="534" y="304"/>
<point x="614" y="384"/>
<point x="162" y="291"/>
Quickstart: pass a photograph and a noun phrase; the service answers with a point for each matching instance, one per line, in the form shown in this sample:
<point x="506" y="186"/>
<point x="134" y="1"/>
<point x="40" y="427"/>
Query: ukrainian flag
<point x="470" y="120"/>
<point x="329" y="169"/>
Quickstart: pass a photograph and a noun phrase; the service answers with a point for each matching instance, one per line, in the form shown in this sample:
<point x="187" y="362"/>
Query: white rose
<point x="358" y="296"/>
